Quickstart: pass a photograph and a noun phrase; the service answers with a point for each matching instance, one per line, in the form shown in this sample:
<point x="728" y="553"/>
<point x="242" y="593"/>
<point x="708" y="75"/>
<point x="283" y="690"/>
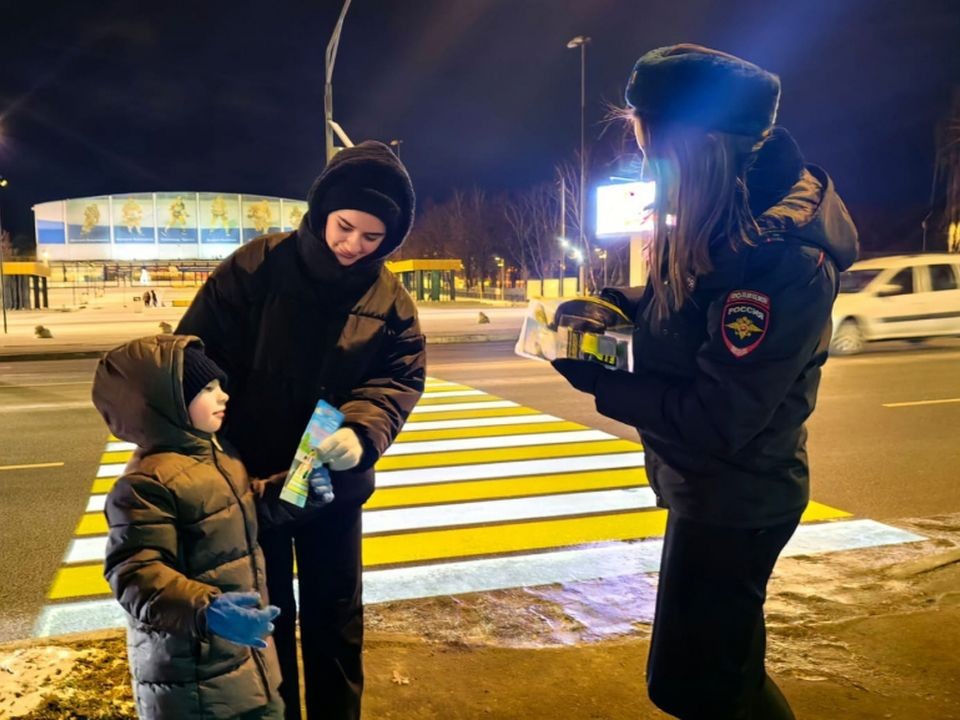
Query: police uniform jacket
<point x="721" y="387"/>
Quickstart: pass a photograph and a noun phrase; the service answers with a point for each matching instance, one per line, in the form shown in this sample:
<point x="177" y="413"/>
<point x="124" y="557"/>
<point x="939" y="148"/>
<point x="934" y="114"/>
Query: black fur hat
<point x="694" y="85"/>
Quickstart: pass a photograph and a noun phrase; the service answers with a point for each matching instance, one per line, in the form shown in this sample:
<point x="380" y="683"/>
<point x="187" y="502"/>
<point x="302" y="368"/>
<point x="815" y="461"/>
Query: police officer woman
<point x="731" y="332"/>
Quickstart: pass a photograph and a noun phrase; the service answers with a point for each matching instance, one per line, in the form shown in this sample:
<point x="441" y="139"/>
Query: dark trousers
<point x="331" y="612"/>
<point x="709" y="638"/>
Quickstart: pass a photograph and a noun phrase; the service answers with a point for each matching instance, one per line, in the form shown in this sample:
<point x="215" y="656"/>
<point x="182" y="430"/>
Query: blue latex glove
<point x="321" y="485"/>
<point x="237" y="617"/>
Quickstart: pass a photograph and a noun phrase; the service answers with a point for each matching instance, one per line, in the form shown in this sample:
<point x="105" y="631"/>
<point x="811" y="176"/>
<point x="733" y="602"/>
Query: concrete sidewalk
<point x="89" y="331"/>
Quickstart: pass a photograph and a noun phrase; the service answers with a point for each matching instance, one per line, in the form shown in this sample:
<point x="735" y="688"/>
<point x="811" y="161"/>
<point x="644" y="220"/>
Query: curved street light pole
<point x="331" y="59"/>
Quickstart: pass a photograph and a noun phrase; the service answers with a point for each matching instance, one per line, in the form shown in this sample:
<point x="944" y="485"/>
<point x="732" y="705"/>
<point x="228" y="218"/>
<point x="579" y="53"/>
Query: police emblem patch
<point x="744" y="321"/>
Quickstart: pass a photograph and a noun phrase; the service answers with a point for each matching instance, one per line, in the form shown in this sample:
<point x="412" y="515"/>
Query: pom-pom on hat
<point x="694" y="85"/>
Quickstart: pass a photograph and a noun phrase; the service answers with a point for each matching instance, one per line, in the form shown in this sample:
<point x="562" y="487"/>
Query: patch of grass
<point x="98" y="687"/>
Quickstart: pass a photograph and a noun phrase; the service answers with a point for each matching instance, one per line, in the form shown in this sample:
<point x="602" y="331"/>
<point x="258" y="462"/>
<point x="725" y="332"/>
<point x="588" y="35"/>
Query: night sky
<point x="113" y="97"/>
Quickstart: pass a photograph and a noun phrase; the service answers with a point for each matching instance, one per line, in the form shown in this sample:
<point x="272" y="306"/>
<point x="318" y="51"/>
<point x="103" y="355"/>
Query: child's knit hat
<point x="198" y="370"/>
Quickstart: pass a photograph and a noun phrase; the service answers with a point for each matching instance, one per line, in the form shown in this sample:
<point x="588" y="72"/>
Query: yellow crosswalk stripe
<point x="92" y="524"/>
<point x="116" y="456"/>
<point x="427" y="400"/>
<point x="101" y="486"/>
<point x="446" y="543"/>
<point x="475" y="457"/>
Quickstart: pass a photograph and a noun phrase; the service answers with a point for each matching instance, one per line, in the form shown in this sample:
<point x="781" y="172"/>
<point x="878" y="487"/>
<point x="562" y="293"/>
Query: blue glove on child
<point x="321" y="485"/>
<point x="237" y="617"/>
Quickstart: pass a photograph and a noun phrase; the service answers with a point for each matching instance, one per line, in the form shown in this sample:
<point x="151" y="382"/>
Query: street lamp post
<point x="602" y="254"/>
<point x="3" y="281"/>
<point x="564" y="248"/>
<point x="501" y="264"/>
<point x="395" y="144"/>
<point x="581" y="41"/>
<point x="331" y="59"/>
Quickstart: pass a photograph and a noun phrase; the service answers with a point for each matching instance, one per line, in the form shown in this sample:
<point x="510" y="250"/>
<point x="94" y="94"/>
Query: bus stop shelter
<point x="20" y="281"/>
<point x="428" y="279"/>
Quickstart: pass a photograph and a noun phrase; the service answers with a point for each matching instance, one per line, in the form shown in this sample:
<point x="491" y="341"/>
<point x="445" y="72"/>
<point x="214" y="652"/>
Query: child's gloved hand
<point x="237" y="617"/>
<point x="341" y="451"/>
<point x="321" y="486"/>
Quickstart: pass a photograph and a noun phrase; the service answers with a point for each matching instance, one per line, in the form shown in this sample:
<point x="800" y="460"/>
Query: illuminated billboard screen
<point x="624" y="208"/>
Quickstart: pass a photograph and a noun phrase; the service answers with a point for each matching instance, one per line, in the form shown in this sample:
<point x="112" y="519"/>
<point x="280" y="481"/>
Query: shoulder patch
<point x="744" y="321"/>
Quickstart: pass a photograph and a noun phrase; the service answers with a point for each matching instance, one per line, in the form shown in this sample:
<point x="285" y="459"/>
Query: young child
<point x="182" y="555"/>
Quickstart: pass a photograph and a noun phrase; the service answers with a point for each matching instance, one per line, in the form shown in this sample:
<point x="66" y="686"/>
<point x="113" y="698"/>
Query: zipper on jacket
<point x="257" y="660"/>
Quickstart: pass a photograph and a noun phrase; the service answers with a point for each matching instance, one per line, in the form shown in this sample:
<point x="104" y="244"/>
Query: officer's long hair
<point x="701" y="200"/>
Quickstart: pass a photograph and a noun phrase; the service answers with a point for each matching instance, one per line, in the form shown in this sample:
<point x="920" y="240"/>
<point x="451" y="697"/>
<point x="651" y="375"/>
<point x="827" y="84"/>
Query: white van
<point x="906" y="297"/>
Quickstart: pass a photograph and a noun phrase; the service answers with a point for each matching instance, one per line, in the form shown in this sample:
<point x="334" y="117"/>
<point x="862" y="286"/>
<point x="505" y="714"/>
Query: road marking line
<point x="118" y="446"/>
<point x="418" y="427"/>
<point x="450" y="407"/>
<point x="446" y="543"/>
<point x="498" y="431"/>
<point x="476" y="479"/>
<point x="486" y="412"/>
<point x="473" y="457"/>
<point x="921" y="402"/>
<point x="46" y="406"/>
<point x="103" y="485"/>
<point x="382" y="521"/>
<point x="615" y="559"/>
<point x="116" y="457"/>
<point x="40" y="385"/>
<point x="479" y="397"/>
<point x="112" y="470"/>
<point x="442" y="394"/>
<point x="486" y="471"/>
<point x="505" y="511"/>
<point x="499" y="442"/>
<point x="502" y="488"/>
<point x="32" y="466"/>
<point x="86" y="550"/>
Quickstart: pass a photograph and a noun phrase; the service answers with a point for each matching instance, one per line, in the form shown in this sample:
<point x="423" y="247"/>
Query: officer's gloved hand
<point x="341" y="451"/>
<point x="321" y="485"/>
<point x="237" y="617"/>
<point x="588" y="314"/>
<point x="582" y="374"/>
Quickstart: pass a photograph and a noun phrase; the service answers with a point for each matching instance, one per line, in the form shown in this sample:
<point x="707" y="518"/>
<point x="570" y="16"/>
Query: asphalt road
<point x="883" y="443"/>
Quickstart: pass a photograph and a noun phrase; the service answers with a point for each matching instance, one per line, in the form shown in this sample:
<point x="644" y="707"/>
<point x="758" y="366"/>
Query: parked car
<point x="906" y="297"/>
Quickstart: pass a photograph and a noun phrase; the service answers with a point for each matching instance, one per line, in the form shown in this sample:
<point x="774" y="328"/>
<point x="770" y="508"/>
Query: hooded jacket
<point x="722" y="387"/>
<point x="290" y="325"/>
<point x="182" y="531"/>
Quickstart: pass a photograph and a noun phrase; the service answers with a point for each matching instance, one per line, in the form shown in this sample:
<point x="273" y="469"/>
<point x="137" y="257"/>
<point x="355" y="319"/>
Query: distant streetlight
<point x="602" y="254"/>
<point x="564" y="249"/>
<point x="581" y="41"/>
<point x="395" y="144"/>
<point x="3" y="284"/>
<point x="503" y="275"/>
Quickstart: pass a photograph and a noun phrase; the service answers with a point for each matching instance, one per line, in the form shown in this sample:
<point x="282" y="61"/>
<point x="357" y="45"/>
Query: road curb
<point x="96" y="351"/>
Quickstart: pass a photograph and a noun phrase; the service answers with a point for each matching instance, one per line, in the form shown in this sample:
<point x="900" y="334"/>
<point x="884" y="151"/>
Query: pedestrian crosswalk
<point x="478" y="493"/>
